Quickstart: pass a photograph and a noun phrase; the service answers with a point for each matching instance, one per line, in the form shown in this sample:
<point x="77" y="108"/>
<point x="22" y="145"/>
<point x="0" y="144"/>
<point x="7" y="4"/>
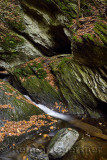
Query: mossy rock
<point x="18" y="108"/>
<point x="11" y="19"/>
<point x="77" y="84"/>
<point x="90" y="49"/>
<point x="70" y="8"/>
<point x="32" y="78"/>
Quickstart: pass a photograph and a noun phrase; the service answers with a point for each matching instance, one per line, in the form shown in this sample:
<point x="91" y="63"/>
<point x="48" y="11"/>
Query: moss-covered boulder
<point x="90" y="48"/>
<point x="13" y="105"/>
<point x="83" y="87"/>
<point x="36" y="80"/>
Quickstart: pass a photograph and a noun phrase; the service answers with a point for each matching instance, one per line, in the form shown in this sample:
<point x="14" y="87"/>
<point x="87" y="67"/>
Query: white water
<point x="49" y="111"/>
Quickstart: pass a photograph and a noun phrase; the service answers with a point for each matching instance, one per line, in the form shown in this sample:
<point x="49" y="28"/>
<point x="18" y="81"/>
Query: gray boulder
<point x="62" y="142"/>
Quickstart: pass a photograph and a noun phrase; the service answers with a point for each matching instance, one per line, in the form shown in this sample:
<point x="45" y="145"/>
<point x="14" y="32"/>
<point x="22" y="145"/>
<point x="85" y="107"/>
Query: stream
<point x="50" y="112"/>
<point x="35" y="147"/>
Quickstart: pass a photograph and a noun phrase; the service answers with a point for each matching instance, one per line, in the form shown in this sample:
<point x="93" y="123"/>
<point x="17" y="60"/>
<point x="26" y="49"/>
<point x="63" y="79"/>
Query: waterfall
<point x="49" y="111"/>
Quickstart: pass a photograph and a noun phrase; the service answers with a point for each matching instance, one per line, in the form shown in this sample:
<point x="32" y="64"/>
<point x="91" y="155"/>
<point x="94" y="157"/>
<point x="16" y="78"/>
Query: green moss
<point x="77" y="39"/>
<point x="31" y="77"/>
<point x="102" y="24"/>
<point x="22" y="109"/>
<point x="17" y="70"/>
<point x="90" y="37"/>
<point x="10" y="42"/>
<point x="101" y="28"/>
<point x="92" y="40"/>
<point x="12" y="14"/>
<point x="70" y="8"/>
<point x="102" y="37"/>
<point x="19" y="26"/>
<point x="63" y="61"/>
<point x="85" y="36"/>
<point x="71" y="77"/>
<point x="40" y="89"/>
<point x="31" y="69"/>
<point x="38" y="69"/>
<point x="10" y="17"/>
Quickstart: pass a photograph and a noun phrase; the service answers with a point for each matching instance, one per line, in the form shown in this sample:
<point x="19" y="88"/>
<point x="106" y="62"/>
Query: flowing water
<point x="50" y="112"/>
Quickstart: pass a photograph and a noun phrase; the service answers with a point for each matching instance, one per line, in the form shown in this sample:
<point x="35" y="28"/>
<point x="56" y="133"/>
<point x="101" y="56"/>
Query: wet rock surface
<point x="62" y="142"/>
<point x="83" y="87"/>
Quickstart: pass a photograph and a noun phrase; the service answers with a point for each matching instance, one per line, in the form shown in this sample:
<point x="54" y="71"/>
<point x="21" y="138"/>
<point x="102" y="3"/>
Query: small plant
<point x="76" y="39"/>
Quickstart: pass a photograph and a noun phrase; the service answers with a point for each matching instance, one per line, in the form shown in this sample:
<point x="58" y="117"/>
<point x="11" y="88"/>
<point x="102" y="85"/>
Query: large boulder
<point x="34" y="29"/>
<point x="13" y="105"/>
<point x="35" y="79"/>
<point x="90" y="48"/>
<point x="83" y="87"/>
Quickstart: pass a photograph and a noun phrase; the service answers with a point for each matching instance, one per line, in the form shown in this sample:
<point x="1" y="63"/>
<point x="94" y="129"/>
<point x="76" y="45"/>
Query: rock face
<point x="90" y="49"/>
<point x="45" y="27"/>
<point x="13" y="105"/>
<point x="62" y="142"/>
<point x="36" y="79"/>
<point x="83" y="87"/>
<point x="39" y="30"/>
<point x="15" y="109"/>
<point x="22" y="53"/>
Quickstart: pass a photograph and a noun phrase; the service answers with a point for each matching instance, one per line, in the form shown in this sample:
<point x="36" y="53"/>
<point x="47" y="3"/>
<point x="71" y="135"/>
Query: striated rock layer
<point x="83" y="87"/>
